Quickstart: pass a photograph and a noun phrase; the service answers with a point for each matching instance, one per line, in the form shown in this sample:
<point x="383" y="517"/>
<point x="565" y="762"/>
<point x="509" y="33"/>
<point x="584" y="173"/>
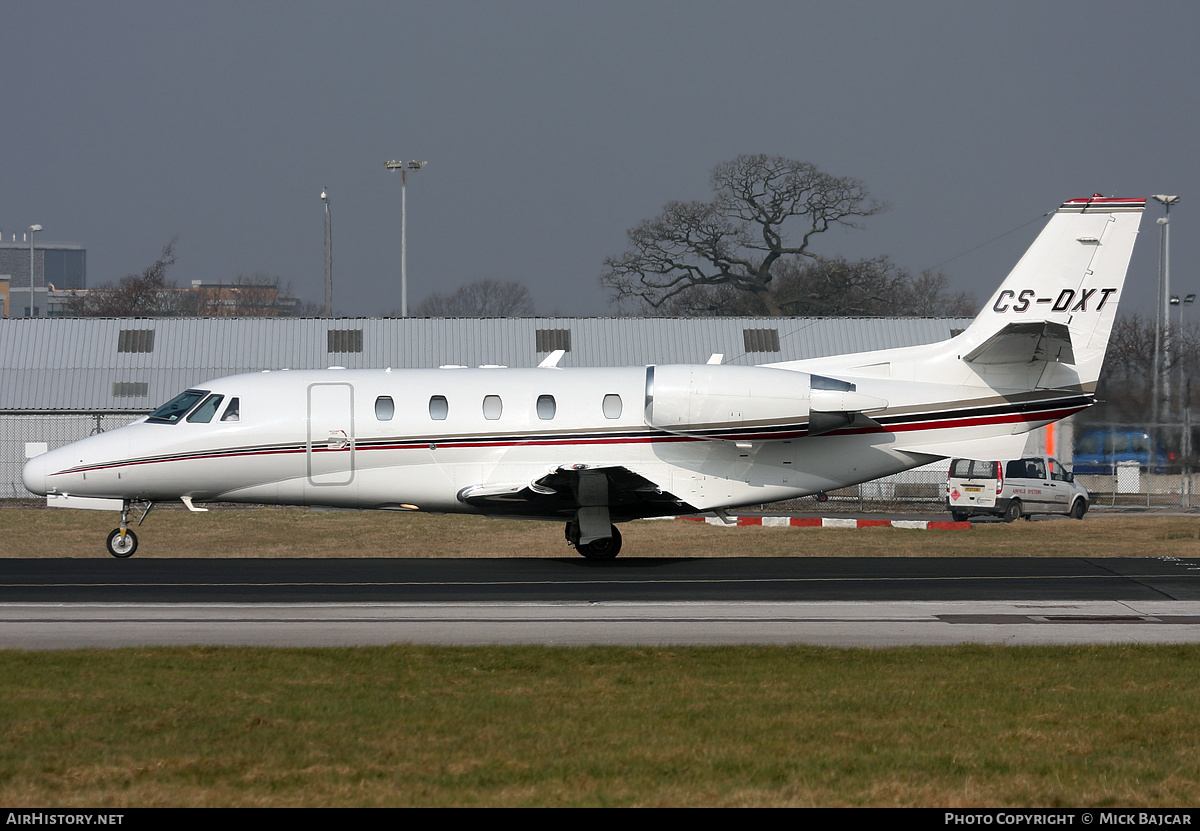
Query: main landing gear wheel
<point x="604" y="549"/>
<point x="122" y="547"/>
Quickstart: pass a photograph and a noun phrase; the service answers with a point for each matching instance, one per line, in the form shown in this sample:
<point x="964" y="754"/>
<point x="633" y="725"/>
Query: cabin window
<point x="173" y="410"/>
<point x="492" y="407"/>
<point x="205" y="412"/>
<point x="612" y="405"/>
<point x="233" y="411"/>
<point x="385" y="408"/>
<point x="438" y="408"/>
<point x="546" y="407"/>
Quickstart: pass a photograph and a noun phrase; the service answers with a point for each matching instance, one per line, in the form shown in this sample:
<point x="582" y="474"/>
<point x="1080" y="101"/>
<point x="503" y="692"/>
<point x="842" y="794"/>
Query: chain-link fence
<point x="18" y="430"/>
<point x="921" y="490"/>
<point x="1121" y="464"/>
<point x="1150" y="465"/>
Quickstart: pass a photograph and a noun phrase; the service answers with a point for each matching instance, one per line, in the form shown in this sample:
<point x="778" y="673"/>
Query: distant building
<point x="59" y="264"/>
<point x="237" y="299"/>
<point x="241" y="300"/>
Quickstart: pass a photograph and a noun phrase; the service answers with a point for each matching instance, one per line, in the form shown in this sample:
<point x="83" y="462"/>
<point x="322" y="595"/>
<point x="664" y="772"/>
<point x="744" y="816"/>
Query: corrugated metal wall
<point x="74" y="364"/>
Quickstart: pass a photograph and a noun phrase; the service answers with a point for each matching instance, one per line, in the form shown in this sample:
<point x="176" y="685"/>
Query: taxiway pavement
<point x="876" y="602"/>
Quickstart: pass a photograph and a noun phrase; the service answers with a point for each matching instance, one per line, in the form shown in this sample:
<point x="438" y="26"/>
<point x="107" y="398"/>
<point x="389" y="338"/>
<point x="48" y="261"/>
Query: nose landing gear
<point x="122" y="542"/>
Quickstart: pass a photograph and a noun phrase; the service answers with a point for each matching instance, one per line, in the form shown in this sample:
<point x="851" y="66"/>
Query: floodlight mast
<point x="1162" y="329"/>
<point x="1184" y="387"/>
<point x="404" y="167"/>
<point x="328" y="255"/>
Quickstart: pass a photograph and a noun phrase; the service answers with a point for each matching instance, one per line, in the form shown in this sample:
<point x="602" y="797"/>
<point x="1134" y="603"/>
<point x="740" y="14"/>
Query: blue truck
<point x="1099" y="451"/>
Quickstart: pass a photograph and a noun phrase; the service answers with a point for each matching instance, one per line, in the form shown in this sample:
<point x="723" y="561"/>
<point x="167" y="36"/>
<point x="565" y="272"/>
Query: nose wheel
<point x="122" y="544"/>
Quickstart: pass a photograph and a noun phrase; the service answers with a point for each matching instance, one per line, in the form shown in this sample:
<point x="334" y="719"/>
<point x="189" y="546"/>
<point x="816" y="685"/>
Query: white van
<point x="1021" y="487"/>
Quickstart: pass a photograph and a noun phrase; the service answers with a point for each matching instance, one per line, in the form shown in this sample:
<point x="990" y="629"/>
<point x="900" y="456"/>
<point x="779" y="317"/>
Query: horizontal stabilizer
<point x="1023" y="343"/>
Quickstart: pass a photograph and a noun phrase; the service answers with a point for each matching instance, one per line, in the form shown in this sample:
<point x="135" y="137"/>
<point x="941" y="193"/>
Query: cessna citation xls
<point x="592" y="447"/>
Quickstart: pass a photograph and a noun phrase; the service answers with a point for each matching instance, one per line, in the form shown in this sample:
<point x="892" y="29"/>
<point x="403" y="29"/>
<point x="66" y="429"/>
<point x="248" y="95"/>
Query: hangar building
<point x="62" y="379"/>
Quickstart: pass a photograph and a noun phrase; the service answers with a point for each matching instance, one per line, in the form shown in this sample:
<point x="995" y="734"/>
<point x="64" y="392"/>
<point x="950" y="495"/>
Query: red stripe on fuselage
<point x="946" y="423"/>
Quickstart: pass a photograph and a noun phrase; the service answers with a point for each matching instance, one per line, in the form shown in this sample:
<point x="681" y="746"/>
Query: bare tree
<point x="1126" y="384"/>
<point x="832" y="288"/>
<point x="767" y="210"/>
<point x="308" y="308"/>
<point x="483" y="298"/>
<point x="138" y="295"/>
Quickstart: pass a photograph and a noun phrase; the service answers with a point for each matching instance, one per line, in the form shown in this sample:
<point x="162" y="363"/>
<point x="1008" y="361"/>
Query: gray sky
<point x="552" y="127"/>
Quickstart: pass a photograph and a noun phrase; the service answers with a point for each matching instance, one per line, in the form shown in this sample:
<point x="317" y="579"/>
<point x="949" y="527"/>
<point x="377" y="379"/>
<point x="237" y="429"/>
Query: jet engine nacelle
<point x="711" y="397"/>
<point x="723" y="400"/>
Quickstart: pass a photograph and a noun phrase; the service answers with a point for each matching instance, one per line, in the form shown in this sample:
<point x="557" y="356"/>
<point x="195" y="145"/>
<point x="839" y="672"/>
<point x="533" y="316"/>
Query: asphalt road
<point x="48" y="604"/>
<point x="806" y="579"/>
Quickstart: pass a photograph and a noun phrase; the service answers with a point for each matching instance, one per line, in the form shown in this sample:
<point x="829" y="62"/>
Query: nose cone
<point x="34" y="475"/>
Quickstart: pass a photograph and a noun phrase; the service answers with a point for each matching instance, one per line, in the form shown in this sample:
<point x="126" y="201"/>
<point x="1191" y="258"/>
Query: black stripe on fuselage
<point x="936" y="419"/>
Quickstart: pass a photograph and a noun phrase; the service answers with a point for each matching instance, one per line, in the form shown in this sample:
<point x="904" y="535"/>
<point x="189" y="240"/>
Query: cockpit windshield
<point x="205" y="412"/>
<point x="176" y="408"/>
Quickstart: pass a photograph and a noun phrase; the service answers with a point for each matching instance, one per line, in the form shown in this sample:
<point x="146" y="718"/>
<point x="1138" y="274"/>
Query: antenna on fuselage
<point x="551" y="360"/>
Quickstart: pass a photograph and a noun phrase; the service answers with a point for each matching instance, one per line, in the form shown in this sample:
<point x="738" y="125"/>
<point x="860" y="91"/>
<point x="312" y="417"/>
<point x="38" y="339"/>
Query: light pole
<point x="328" y="255"/>
<point x="1185" y="387"/>
<point x="1162" y="334"/>
<point x="1182" y="303"/>
<point x="33" y="229"/>
<point x="404" y="167"/>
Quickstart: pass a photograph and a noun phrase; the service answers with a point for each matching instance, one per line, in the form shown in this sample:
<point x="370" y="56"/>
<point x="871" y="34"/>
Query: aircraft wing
<point x="563" y="491"/>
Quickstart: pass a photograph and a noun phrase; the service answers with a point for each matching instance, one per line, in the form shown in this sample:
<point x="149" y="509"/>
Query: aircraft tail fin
<point x="1057" y="306"/>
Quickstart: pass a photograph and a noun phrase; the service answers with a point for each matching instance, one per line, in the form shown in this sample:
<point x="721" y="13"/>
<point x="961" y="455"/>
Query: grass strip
<point x="969" y="726"/>
<point x="297" y="532"/>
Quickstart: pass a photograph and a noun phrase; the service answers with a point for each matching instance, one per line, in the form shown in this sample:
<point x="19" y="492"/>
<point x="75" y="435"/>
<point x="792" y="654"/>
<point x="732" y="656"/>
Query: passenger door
<point x="330" y="447"/>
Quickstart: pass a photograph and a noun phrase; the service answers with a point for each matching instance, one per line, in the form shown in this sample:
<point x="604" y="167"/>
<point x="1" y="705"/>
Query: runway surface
<point x="54" y="604"/>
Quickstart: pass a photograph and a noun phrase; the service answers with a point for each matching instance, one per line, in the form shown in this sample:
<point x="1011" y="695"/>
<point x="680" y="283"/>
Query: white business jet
<point x="592" y="447"/>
